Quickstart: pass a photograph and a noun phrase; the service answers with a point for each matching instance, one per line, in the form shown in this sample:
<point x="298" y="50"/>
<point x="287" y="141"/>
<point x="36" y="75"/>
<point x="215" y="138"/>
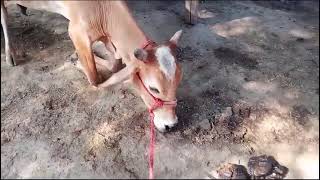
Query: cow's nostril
<point x="167" y="127"/>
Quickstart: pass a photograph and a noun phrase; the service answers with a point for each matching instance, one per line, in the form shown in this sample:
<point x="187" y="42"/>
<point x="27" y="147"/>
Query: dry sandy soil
<point x="250" y="87"/>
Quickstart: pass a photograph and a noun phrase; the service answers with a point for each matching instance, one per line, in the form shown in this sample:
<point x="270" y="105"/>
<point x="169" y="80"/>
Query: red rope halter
<point x="157" y="103"/>
<point x="146" y="43"/>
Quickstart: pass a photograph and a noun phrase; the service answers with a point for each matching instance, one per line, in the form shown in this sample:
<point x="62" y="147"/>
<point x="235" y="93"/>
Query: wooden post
<point x="191" y="14"/>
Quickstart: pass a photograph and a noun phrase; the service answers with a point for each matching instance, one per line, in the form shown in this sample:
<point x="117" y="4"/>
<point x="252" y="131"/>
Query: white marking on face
<point x="166" y="61"/>
<point x="163" y="119"/>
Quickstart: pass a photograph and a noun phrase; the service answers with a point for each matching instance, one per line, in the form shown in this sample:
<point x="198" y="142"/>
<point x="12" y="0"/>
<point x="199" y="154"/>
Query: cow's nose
<point x="169" y="127"/>
<point x="164" y="124"/>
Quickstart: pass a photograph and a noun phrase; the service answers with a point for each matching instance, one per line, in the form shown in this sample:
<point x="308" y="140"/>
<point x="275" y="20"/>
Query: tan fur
<point x="112" y="23"/>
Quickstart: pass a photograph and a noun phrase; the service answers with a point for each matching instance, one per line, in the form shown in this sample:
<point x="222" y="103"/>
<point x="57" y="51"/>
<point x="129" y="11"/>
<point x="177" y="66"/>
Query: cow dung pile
<point x="259" y="167"/>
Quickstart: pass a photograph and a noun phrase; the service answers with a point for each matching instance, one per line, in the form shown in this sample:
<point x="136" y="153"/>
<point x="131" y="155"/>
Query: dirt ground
<point x="250" y="87"/>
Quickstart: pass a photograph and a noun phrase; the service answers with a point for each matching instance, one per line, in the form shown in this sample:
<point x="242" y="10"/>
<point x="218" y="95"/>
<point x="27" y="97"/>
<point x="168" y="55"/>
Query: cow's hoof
<point x="94" y="88"/>
<point x="93" y="83"/>
<point x="73" y="59"/>
<point x="10" y="60"/>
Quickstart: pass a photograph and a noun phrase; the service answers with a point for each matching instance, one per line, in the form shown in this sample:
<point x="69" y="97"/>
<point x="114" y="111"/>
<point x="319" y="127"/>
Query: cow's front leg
<point x="8" y="48"/>
<point x="83" y="44"/>
<point x="119" y="77"/>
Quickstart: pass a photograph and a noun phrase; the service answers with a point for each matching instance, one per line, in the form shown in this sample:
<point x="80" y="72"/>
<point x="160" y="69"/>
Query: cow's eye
<point x="155" y="90"/>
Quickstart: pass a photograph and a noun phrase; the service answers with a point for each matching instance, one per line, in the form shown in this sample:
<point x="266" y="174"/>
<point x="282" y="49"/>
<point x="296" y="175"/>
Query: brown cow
<point x="151" y="68"/>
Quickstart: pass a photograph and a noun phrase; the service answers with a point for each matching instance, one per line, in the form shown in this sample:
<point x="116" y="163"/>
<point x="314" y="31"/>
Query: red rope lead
<point x="157" y="104"/>
<point x="147" y="43"/>
<point x="151" y="145"/>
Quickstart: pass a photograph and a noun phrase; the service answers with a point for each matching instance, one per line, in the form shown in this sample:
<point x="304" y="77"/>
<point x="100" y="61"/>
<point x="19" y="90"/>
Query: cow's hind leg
<point x="9" y="51"/>
<point x="114" y="64"/>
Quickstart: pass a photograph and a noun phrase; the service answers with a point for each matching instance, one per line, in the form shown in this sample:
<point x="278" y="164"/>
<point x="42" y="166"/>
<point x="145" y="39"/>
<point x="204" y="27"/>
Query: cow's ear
<point x="140" y="54"/>
<point x="175" y="38"/>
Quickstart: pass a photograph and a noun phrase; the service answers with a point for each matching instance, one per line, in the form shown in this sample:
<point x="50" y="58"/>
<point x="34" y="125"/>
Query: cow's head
<point x="159" y="74"/>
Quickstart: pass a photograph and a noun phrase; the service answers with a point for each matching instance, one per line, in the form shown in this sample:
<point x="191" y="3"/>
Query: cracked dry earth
<point x="250" y="87"/>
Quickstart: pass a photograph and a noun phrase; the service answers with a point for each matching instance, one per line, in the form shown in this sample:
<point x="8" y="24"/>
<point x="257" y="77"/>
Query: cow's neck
<point x="124" y="32"/>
